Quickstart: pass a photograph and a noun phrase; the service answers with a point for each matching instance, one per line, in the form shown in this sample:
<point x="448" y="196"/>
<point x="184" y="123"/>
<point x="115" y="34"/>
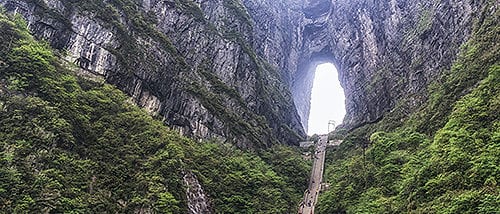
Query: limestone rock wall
<point x="208" y="68"/>
<point x="242" y="70"/>
<point x="387" y="52"/>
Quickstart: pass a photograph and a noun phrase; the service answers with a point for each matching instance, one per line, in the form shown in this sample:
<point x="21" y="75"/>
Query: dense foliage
<point x="68" y="144"/>
<point x="444" y="159"/>
<point x="243" y="183"/>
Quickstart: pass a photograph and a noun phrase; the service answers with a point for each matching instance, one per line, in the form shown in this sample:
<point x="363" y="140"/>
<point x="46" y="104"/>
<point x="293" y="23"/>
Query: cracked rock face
<point x="242" y="70"/>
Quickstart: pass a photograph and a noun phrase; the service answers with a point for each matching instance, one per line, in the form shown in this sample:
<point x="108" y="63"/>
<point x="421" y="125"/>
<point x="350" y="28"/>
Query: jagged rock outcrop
<point x="242" y="71"/>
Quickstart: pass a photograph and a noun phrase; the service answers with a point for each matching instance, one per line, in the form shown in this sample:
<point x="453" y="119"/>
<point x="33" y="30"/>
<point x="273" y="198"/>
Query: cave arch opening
<point x="327" y="102"/>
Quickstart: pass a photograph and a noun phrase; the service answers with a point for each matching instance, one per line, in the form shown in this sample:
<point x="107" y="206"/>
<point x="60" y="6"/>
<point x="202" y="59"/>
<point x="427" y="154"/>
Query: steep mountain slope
<point x="443" y="157"/>
<point x="420" y="79"/>
<point x="70" y="144"/>
<point x="191" y="63"/>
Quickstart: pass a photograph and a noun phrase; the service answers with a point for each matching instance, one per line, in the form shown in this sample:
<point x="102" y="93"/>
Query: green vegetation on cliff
<point x="68" y="144"/>
<point x="242" y="182"/>
<point x="444" y="159"/>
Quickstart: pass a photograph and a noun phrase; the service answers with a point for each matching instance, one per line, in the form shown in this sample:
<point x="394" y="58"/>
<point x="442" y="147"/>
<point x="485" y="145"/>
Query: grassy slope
<point x="68" y="144"/>
<point x="445" y="158"/>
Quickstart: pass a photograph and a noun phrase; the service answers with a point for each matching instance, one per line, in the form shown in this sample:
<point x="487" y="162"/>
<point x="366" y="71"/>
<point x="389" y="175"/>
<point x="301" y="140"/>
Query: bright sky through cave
<point x="327" y="100"/>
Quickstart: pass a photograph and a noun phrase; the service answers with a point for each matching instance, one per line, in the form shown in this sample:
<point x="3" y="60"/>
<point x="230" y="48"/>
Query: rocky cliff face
<point x="387" y="52"/>
<point x="203" y="66"/>
<point x="242" y="71"/>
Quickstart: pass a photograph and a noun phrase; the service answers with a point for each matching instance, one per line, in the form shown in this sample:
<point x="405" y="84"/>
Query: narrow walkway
<point x="312" y="192"/>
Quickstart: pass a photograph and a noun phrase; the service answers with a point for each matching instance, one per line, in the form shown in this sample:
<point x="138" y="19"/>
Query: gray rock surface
<point x="387" y="52"/>
<point x="197" y="199"/>
<point x="242" y="70"/>
<point x="193" y="64"/>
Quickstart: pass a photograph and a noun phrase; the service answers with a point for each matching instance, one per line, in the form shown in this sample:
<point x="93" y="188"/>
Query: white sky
<point x="327" y="100"/>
